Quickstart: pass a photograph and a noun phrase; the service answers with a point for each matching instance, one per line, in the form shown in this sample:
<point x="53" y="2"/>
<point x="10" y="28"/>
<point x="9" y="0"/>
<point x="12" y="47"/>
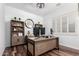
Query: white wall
<point x="66" y="40"/>
<point x="2" y="31"/>
<point x="47" y="24"/>
<point x="11" y="12"/>
<point x="69" y="40"/>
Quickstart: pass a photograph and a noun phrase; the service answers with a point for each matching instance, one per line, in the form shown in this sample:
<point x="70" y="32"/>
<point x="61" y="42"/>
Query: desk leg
<point x="57" y="43"/>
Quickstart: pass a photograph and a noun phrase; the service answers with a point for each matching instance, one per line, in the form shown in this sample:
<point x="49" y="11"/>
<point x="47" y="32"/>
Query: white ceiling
<point x="31" y="7"/>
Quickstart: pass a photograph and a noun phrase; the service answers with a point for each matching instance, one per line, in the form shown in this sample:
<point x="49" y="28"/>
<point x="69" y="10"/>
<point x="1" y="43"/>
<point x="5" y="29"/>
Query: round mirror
<point x="29" y="23"/>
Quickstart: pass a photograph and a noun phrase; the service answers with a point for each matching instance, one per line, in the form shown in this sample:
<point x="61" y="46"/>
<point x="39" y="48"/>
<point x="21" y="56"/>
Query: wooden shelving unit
<point x="17" y="32"/>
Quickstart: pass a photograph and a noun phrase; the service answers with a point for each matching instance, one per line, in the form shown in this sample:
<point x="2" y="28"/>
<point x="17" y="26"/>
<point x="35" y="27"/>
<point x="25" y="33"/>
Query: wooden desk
<point x="38" y="46"/>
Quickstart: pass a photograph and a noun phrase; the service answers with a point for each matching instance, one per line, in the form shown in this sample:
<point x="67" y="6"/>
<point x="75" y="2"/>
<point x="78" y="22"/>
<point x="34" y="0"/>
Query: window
<point x="72" y="23"/>
<point x="65" y="23"/>
<point x="58" y="24"/>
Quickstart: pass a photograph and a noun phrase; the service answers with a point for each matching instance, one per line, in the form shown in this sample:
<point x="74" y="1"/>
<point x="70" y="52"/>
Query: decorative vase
<point x="19" y="19"/>
<point x="14" y="18"/>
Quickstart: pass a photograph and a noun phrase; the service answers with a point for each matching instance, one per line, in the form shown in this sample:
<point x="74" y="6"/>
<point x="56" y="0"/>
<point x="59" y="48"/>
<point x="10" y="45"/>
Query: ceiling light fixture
<point x="40" y="5"/>
<point x="58" y="4"/>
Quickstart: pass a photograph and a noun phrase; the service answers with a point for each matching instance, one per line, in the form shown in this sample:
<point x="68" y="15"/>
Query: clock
<point x="29" y="23"/>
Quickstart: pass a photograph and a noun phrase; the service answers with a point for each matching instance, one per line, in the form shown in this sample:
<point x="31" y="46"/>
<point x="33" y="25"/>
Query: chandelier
<point x="40" y="5"/>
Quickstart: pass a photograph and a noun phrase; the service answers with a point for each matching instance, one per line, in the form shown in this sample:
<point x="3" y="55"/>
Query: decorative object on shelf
<point x="29" y="23"/>
<point x="19" y="19"/>
<point x="14" y="18"/>
<point x="40" y="5"/>
<point x="28" y="33"/>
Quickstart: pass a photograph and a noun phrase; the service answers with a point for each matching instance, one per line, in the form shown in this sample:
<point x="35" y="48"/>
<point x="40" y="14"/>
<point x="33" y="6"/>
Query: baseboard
<point x="68" y="48"/>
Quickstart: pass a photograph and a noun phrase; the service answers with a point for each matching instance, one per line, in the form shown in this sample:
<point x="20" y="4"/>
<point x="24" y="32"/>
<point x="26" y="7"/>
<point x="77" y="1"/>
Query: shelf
<point x="18" y="26"/>
<point x="17" y="31"/>
<point x="17" y="21"/>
